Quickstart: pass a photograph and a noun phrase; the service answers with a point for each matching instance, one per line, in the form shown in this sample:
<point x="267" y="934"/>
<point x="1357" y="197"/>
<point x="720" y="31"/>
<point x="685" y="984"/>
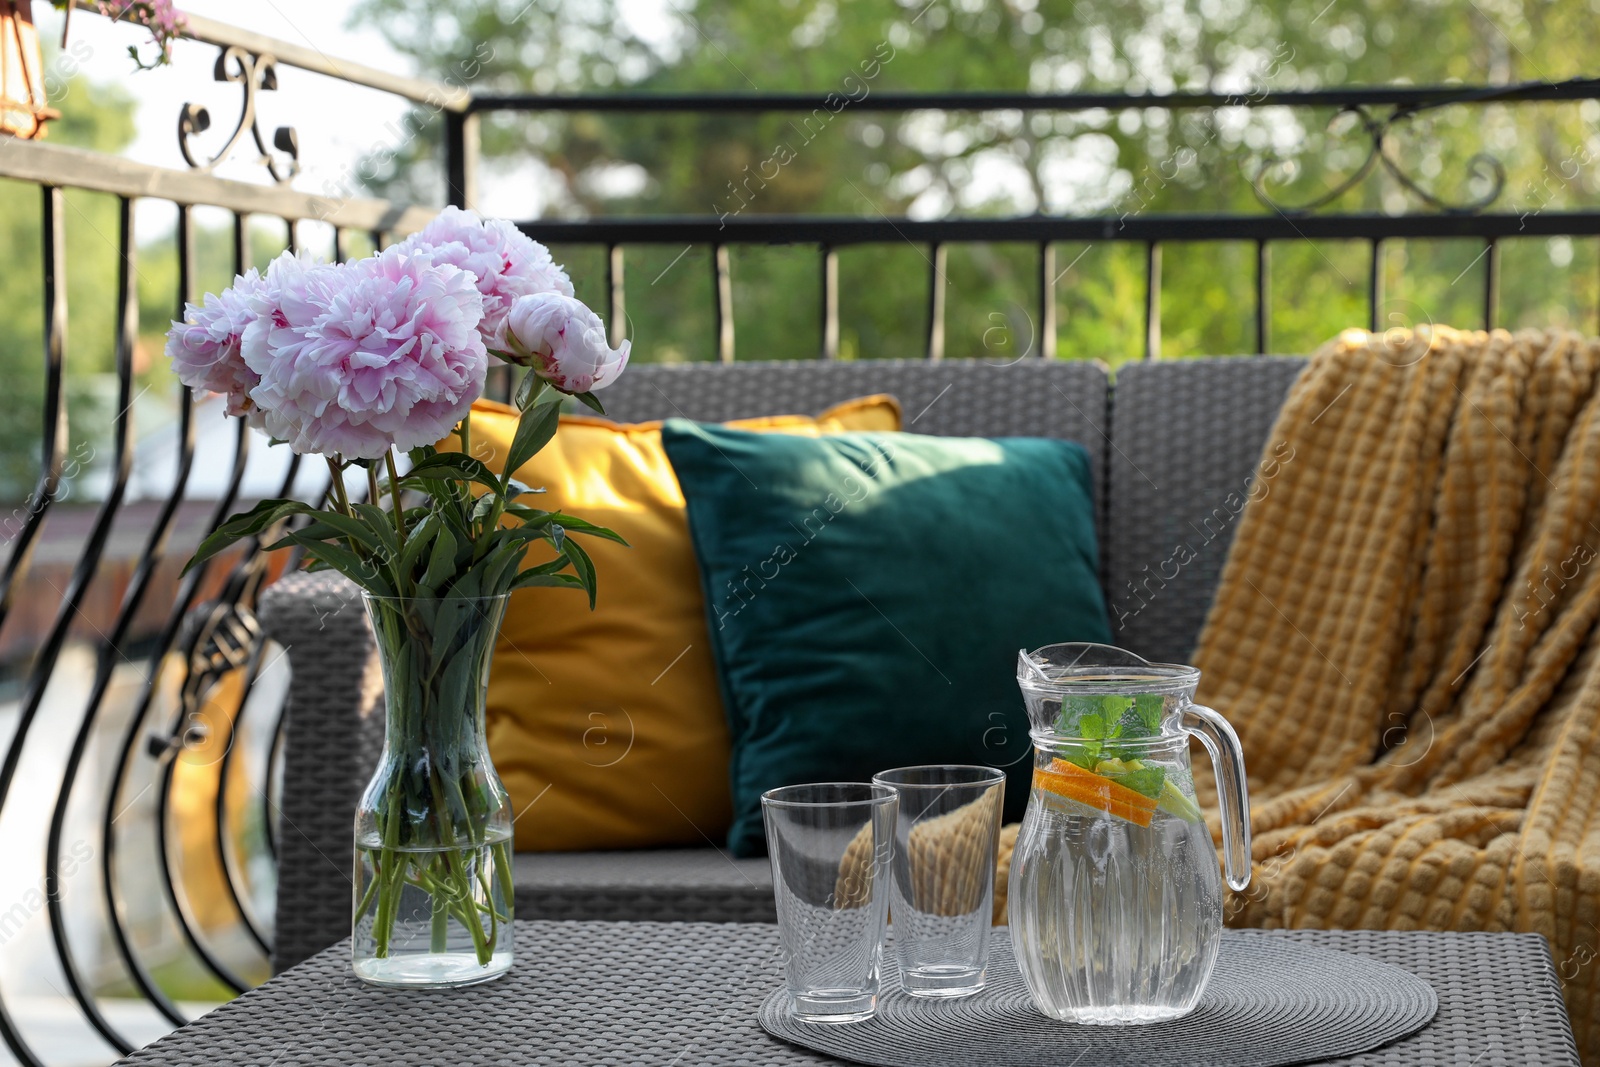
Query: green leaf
<point x="1092" y="726"/>
<point x="363" y="572"/>
<point x="497" y="566"/>
<point x="1148" y="708"/>
<point x="382" y="524"/>
<point x="535" y="428"/>
<point x="1085" y="756"/>
<point x="529" y="389"/>
<point x="481" y="508"/>
<point x="582" y="566"/>
<point x="452" y="466"/>
<point x="515" y="489"/>
<point x="573" y="524"/>
<point x="1113" y="706"/>
<point x="331" y="525"/>
<point x="530" y="515"/>
<point x="417" y="542"/>
<point x="526" y="580"/>
<point x="590" y="401"/>
<point x="247" y="524"/>
<point x="1146" y="780"/>
<point x="441" y="562"/>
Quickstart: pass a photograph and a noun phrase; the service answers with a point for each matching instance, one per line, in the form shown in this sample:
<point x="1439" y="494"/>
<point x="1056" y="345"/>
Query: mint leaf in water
<point x="1148" y="708"/>
<point x="1113" y="706"/>
<point x="1145" y="780"/>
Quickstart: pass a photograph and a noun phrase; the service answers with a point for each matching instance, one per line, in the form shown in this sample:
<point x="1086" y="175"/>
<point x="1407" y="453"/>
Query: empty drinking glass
<point x="830" y="845"/>
<point x="947" y="836"/>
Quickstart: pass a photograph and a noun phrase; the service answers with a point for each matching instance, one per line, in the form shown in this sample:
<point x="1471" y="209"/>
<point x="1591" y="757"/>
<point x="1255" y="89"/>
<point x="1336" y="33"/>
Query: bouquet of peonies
<point x="356" y="363"/>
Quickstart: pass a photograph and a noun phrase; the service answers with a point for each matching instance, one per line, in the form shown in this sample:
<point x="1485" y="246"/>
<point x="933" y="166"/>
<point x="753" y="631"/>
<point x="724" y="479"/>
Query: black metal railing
<point x="205" y="623"/>
<point x="1379" y="108"/>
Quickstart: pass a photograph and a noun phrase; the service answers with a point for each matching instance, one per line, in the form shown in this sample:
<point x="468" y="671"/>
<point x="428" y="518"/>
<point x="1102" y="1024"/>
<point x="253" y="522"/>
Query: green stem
<point x="438" y="940"/>
<point x="394" y="490"/>
<point x="502" y="871"/>
<point x="342" y="499"/>
<point x="399" y="513"/>
<point x="366" y="898"/>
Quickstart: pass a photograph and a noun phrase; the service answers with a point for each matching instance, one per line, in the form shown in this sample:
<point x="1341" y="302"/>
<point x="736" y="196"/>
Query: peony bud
<point x="563" y="342"/>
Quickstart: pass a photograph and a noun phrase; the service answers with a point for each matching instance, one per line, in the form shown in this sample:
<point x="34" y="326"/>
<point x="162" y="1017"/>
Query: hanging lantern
<point x="22" y="97"/>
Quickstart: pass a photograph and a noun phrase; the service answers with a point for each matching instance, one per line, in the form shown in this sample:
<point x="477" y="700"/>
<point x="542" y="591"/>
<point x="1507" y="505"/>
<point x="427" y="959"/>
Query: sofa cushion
<point x="867" y="595"/>
<point x="606" y="726"/>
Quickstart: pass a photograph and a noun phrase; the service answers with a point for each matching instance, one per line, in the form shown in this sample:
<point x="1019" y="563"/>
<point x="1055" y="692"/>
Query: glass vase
<point x="433" y="890"/>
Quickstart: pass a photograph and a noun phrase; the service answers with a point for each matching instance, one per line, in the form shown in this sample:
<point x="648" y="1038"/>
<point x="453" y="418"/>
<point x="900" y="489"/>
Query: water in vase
<point x="448" y="925"/>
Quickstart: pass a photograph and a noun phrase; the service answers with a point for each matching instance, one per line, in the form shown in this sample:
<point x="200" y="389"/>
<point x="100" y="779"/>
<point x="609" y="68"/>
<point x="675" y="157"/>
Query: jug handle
<point x="1233" y="795"/>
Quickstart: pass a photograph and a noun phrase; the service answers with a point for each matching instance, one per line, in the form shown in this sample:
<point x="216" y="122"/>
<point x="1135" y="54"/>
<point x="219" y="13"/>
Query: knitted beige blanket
<point x="1404" y="637"/>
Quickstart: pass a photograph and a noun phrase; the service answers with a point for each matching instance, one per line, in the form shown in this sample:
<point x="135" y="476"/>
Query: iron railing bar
<point x="53" y="240"/>
<point x="138" y="586"/>
<point x="291" y="241"/>
<point x="936" y="294"/>
<point x="462" y="149"/>
<point x="71" y="606"/>
<point x="341" y="244"/>
<point x="838" y="231"/>
<point x="1491" y="284"/>
<point x="1374" y="284"/>
<point x="1345" y="97"/>
<point x="1263" y="298"/>
<point x="1152" y="300"/>
<point x="722" y="294"/>
<point x="1047" y="300"/>
<point x="433" y="94"/>
<point x="241" y="242"/>
<point x="616" y="297"/>
<point x="830" y="303"/>
<point x="231" y="875"/>
<point x="79" y="168"/>
<point x="15" y="1041"/>
<point x="168" y="634"/>
<point x="54" y="260"/>
<point x="268" y="778"/>
<point x="188" y="922"/>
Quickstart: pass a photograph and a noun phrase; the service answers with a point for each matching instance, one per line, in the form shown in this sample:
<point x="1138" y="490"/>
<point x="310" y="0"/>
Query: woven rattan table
<point x="688" y="994"/>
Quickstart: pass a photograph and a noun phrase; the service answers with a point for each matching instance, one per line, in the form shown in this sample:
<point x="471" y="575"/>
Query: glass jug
<point x="1115" y="899"/>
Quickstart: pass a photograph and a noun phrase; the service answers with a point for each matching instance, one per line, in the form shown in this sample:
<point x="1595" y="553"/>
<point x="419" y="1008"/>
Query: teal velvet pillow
<point x="867" y="594"/>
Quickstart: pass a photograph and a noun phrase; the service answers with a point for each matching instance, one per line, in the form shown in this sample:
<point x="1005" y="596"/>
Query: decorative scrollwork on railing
<point x="254" y="74"/>
<point x="1377" y="129"/>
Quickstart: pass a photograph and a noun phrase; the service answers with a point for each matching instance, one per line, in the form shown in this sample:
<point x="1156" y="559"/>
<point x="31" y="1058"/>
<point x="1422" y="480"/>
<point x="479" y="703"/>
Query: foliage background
<point x="921" y="164"/>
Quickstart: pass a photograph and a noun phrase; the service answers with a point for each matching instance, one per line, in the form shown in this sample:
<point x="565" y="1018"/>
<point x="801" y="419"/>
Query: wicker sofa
<point x="1174" y="444"/>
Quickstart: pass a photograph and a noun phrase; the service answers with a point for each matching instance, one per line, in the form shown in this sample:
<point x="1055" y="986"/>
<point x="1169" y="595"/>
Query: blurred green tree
<point x="928" y="164"/>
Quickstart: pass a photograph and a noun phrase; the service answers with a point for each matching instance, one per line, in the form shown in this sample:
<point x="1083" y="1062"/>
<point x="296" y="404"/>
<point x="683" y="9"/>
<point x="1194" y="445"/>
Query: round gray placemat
<point x="1270" y="1002"/>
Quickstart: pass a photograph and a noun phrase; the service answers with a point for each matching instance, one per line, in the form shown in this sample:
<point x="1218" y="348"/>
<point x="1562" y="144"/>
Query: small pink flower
<point x="356" y="359"/>
<point x="505" y="262"/>
<point x="204" y="348"/>
<point x="563" y="342"/>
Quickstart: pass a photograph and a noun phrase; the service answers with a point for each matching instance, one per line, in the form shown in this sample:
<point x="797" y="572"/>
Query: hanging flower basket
<point x="23" y="110"/>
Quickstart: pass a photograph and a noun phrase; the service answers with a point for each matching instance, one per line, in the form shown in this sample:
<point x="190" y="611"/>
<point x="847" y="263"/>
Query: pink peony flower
<point x="357" y="358"/>
<point x="204" y="348"/>
<point x="506" y="263"/>
<point x="563" y="342"/>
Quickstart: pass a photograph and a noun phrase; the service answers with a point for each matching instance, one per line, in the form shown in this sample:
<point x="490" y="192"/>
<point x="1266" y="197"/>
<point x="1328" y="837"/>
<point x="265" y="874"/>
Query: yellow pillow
<point x="607" y="726"/>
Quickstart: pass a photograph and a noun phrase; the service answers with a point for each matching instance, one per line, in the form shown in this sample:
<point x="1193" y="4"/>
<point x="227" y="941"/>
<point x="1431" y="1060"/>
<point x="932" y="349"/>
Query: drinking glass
<point x="829" y="844"/>
<point x="947" y="836"/>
